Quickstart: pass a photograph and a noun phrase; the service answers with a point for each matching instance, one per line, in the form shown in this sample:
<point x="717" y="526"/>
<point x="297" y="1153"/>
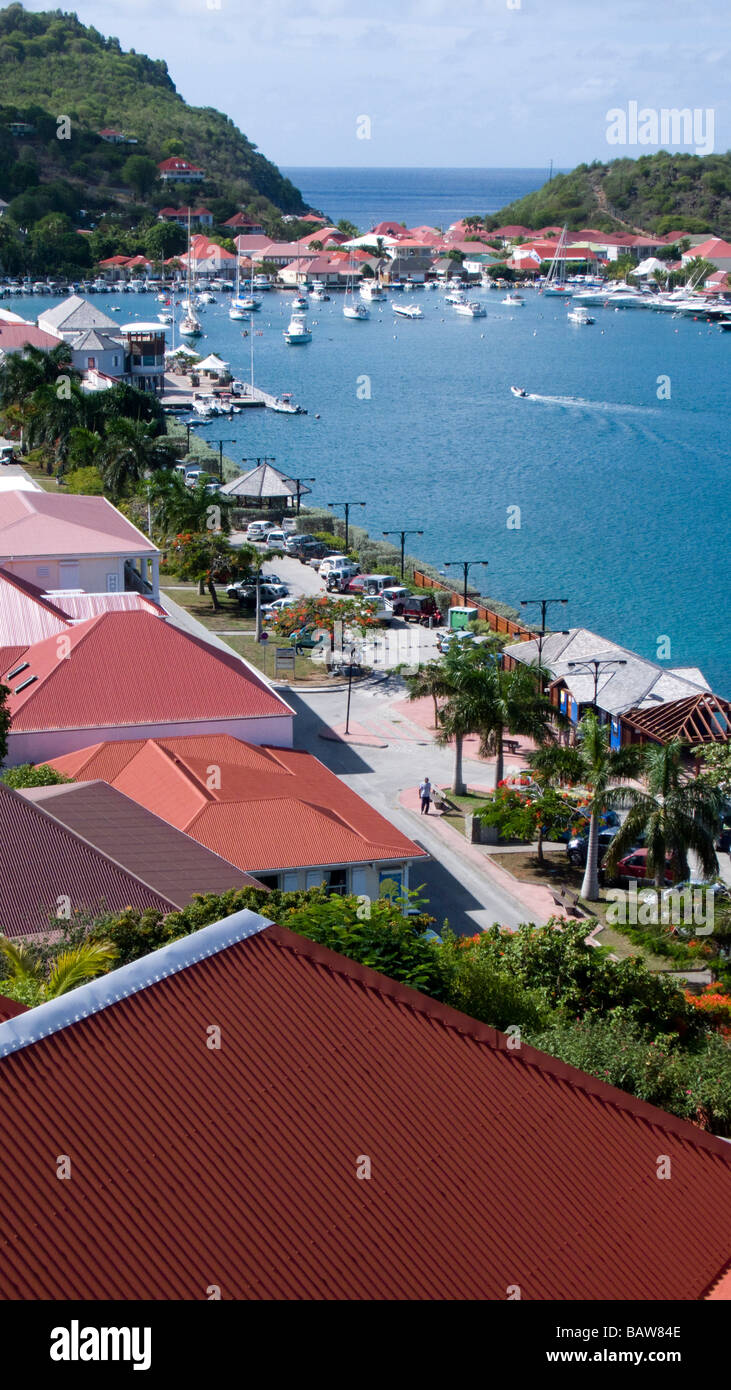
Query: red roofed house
<point x="73" y="542"/>
<point x="27" y="614"/>
<point x="274" y="812"/>
<point x="177" y="170"/>
<point x="322" y="267"/>
<point x="199" y="217"/>
<point x="323" y="1151"/>
<point x="16" y="337"/>
<point x="132" y="675"/>
<point x="715" y="250"/>
<point x="241" y="223"/>
<point x="208" y="258"/>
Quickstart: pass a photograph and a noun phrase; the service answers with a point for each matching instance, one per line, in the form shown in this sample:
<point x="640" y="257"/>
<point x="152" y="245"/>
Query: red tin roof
<point x="238" y="1165"/>
<point x="131" y="668"/>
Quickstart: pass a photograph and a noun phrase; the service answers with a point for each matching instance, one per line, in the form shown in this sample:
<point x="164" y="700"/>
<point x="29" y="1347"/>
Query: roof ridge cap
<point x="99" y="994"/>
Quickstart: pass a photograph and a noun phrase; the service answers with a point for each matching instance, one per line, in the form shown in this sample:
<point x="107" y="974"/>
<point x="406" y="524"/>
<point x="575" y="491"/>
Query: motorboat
<point x="471" y="310"/>
<point x="284" y="405"/>
<point x="299" y="304"/>
<point x="580" y="316"/>
<point x="297" y="332"/>
<point x="518" y="391"/>
<point x="351" y="310"/>
<point x="372" y="291"/>
<point x="205" y="407"/>
<point x="513" y="299"/>
<point x="408" y="311"/>
<point x="205" y="297"/>
<point x="261" y="282"/>
<point x="165" y="316"/>
<point x="455" y="297"/>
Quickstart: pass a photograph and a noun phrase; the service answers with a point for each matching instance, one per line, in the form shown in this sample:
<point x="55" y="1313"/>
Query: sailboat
<point x="242" y="306"/>
<point x="352" y="309"/>
<point x="190" y="325"/>
<point x="554" y="282"/>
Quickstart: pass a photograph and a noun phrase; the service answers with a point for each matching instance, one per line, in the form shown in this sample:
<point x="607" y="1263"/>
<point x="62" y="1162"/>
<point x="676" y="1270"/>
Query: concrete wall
<point x="361" y="879"/>
<point x="50" y="574"/>
<point x="40" y="745"/>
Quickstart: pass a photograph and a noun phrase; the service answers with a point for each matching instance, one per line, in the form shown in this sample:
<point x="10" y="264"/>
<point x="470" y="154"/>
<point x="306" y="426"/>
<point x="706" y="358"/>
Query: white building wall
<point x="52" y="573"/>
<point x="39" y="745"/>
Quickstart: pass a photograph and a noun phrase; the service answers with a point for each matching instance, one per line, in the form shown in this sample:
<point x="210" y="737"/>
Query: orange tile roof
<point x="261" y="808"/>
<point x="489" y="1167"/>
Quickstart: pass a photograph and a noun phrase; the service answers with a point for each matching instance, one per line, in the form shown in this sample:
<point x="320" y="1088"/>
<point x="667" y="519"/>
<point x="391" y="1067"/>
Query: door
<point x="68" y="574"/>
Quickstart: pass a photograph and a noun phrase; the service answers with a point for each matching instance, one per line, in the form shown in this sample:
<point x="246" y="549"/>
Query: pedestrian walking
<point x="425" y="794"/>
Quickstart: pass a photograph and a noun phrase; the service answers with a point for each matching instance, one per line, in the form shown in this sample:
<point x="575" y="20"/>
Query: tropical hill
<point x="52" y="64"/>
<point x="657" y="193"/>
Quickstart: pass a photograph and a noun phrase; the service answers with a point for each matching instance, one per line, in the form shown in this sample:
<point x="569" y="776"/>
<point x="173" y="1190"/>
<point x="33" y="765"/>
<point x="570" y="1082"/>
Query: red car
<point x="634" y="866"/>
<point x="357" y="583"/>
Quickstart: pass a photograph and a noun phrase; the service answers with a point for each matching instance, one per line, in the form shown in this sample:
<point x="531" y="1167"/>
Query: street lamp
<point x="465" y="566"/>
<point x="544" y="603"/>
<point x="403" y="535"/>
<point x="346" y="506"/>
<point x="299" y="482"/>
<point x="596" y="666"/>
<point x="350" y="686"/>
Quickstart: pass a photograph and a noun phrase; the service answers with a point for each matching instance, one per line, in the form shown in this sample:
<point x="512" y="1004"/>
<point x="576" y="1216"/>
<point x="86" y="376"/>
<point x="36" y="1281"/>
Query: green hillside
<point x="657" y="193"/>
<point x="53" y="64"/>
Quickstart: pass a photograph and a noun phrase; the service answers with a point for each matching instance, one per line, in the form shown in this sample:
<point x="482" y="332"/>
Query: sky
<point x="434" y="83"/>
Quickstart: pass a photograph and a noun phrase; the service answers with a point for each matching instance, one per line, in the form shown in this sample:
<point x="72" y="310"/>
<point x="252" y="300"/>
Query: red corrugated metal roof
<point x="131" y="668"/>
<point x="44" y="523"/>
<point x="43" y="861"/>
<point x="237" y="1166"/>
<point x="272" y="808"/>
<point x="10" y="1008"/>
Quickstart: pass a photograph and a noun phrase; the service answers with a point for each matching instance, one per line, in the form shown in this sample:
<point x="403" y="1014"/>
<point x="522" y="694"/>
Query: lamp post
<point x="449" y="564"/>
<point x="346" y="506"/>
<point x="596" y="666"/>
<point x="544" y="603"/>
<point x="403" y="535"/>
<point x="350" y="686"/>
<point x="299" y="482"/>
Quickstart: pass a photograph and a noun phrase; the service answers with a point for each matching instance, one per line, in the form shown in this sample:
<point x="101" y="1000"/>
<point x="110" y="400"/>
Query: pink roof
<point x="114" y="260"/>
<point x="202" y="250"/>
<point x="276" y="808"/>
<point x="25" y="615"/>
<point x="45" y="524"/>
<point x="15" y="336"/>
<point x="712" y="249"/>
<point x="125" y="669"/>
<point x="388" y="229"/>
<point x="258" y="241"/>
<point x="240" y="219"/>
<point x="79" y="607"/>
<point x="511" y="231"/>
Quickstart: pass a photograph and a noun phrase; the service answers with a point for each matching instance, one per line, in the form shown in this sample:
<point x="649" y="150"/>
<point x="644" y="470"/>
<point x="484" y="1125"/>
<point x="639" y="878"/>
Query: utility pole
<point x="403" y="535"/>
<point x="221" y="443"/>
<point x="449" y="564"/>
<point x="346" y="506"/>
<point x="299" y="482"/>
<point x="544" y="603"/>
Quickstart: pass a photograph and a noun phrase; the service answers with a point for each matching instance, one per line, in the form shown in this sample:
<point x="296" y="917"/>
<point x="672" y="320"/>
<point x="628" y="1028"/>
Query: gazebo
<point x="266" y="486"/>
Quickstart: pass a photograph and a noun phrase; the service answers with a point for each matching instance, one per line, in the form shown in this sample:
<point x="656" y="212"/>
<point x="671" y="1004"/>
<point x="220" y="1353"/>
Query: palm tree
<point x="553" y="765"/>
<point x="131" y="452"/>
<point x="429" y="681"/>
<point x="676" y="813"/>
<point x="22" y="376"/>
<point x="514" y="704"/>
<point x="52" y="419"/>
<point x="598" y="766"/>
<point x="71" y="968"/>
<point x="180" y="508"/>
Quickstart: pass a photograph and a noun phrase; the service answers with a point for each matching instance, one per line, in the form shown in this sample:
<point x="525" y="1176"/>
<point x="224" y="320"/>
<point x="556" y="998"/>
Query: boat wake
<point x="610" y="407"/>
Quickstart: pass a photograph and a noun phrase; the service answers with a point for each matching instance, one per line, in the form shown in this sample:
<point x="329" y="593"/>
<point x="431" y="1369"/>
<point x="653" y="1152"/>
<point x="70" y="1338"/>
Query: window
<point x="390" y="883"/>
<point x="337" y="881"/>
<point x="290" y="883"/>
<point x="314" y="878"/>
<point x="268" y="880"/>
<point x="90" y="363"/>
<point x="112" y="583"/>
<point x="359" y="882"/>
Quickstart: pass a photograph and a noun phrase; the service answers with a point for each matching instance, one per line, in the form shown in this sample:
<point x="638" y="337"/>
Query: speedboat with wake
<point x="518" y="391"/>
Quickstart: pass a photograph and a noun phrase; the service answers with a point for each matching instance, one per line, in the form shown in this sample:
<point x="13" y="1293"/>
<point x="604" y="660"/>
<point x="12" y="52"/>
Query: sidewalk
<point x="537" y="900"/>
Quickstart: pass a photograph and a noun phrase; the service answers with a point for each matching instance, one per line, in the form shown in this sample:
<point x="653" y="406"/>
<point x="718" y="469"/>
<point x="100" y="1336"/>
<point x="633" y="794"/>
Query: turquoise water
<point x="622" y="497"/>
<point x="432" y="197"/>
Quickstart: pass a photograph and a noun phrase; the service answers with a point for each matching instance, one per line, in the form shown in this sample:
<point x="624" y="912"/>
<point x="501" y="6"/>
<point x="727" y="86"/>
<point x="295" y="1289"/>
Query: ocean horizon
<point x="417" y="195"/>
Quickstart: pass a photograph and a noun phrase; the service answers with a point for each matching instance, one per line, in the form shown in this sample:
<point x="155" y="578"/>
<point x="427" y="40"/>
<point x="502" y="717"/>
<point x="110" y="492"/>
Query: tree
<point x="178" y="508"/>
<point x="598" y="766"/>
<point x="53" y="415"/>
<point x="676" y="813"/>
<point x="32" y="775"/>
<point x="25" y="977"/>
<point x="429" y="681"/>
<point x="163" y="240"/>
<point x="139" y="172"/>
<point x="130" y="452"/>
<point x="553" y="766"/>
<point x="205" y="557"/>
<point x="349" y="228"/>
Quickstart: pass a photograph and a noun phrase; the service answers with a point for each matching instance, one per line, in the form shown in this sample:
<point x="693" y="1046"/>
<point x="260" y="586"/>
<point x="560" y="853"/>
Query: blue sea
<point x="418" y="197"/>
<point x="622" y="496"/>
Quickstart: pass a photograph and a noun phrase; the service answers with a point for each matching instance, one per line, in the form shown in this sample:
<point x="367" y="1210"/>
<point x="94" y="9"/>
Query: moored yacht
<point x="471" y="310"/>
<point x="297" y="332"/>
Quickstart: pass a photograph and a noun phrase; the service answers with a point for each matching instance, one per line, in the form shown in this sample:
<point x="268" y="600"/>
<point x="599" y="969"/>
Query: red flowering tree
<point x="323" y="612"/>
<point x="207" y="558"/>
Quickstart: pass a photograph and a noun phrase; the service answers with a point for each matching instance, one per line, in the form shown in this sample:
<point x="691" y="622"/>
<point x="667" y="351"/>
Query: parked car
<point x="357" y="584"/>
<point x="634" y="867"/>
<point x="338" y="562"/>
<point x="577" y="847"/>
<point x="276" y="540"/>
<point x="304" y="640"/>
<point x="395" y="598"/>
<point x="420" y="609"/>
<point x="289" y="526"/>
<point x="257" y="531"/>
<point x="296" y="543"/>
<point x="376" y="583"/>
<point x="246" y="594"/>
<point x="270" y="611"/>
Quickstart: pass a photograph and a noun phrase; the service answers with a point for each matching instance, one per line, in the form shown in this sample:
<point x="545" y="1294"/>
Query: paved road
<point x="457" y="892"/>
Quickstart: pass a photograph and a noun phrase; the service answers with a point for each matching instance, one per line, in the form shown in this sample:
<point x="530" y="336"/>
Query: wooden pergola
<point x="702" y="718"/>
